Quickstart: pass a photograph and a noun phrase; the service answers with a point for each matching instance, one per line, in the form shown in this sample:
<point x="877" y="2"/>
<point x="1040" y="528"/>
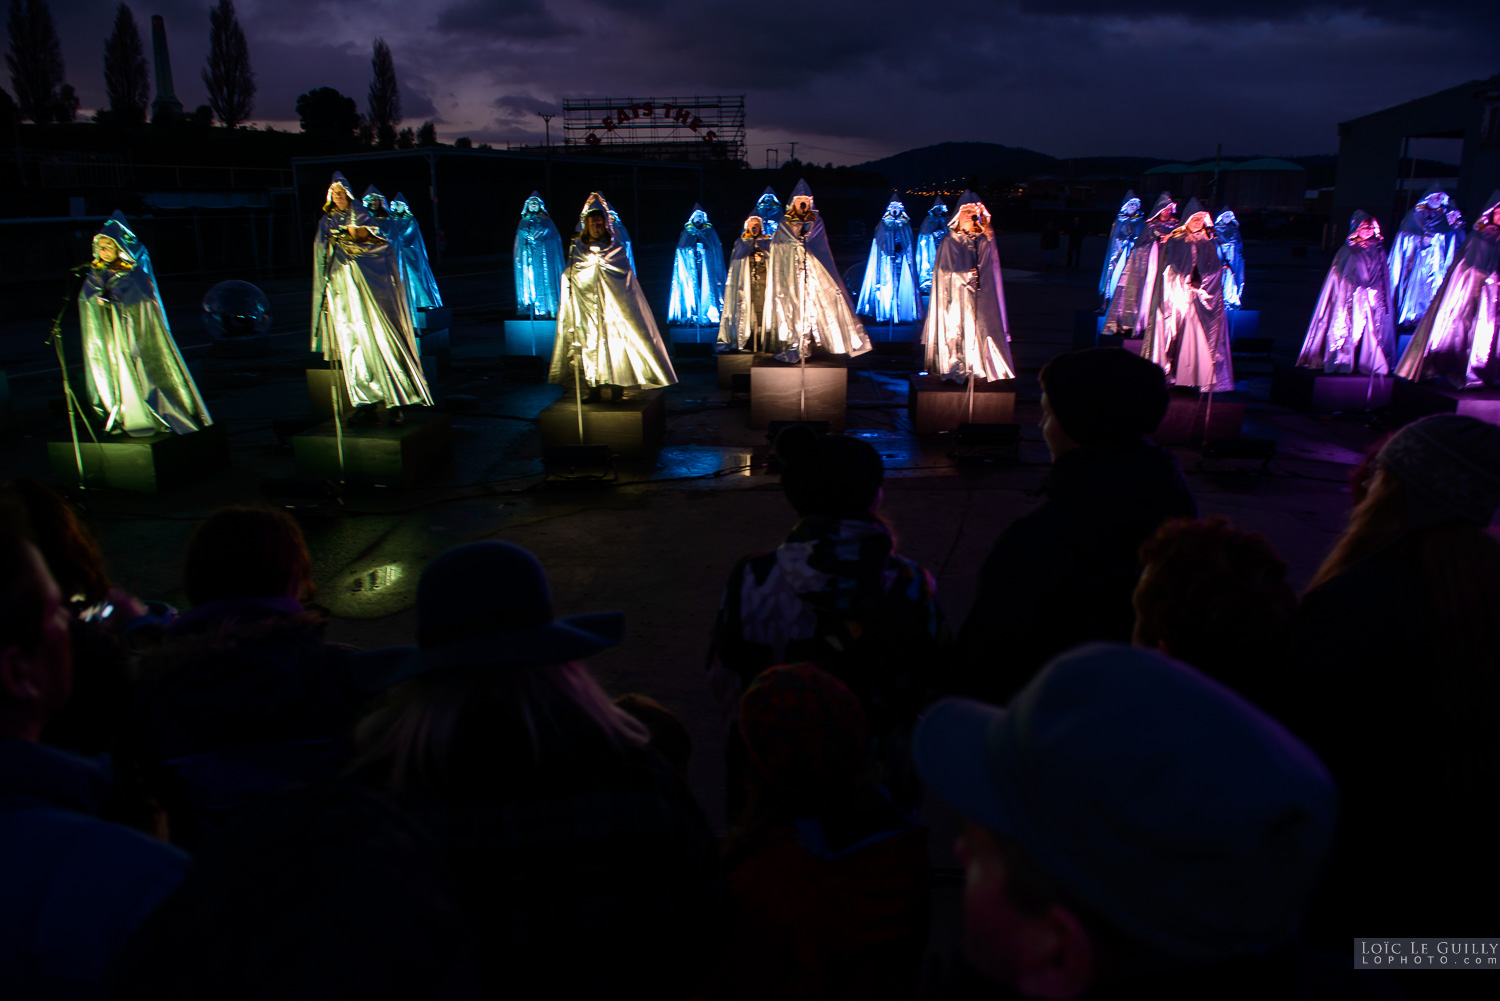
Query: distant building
<point x="1377" y="172"/>
<point x="1265" y="184"/>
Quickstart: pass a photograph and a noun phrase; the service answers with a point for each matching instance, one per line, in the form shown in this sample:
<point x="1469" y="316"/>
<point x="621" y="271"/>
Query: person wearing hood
<point x="890" y="290"/>
<point x="697" y="295"/>
<point x="1065" y="572"/>
<point x="416" y="272"/>
<point x="1232" y="254"/>
<point x="808" y="310"/>
<point x="768" y="207"/>
<point x="1138" y="289"/>
<point x="967" y="333"/>
<point x="745" y="290"/>
<point x="134" y="375"/>
<point x="1458" y="339"/>
<point x="605" y="326"/>
<point x="361" y="313"/>
<point x="380" y="211"/>
<point x="1421" y="255"/>
<point x="1122" y="237"/>
<point x="537" y="260"/>
<point x="934" y="228"/>
<point x="1352" y="330"/>
<point x="1190" y="339"/>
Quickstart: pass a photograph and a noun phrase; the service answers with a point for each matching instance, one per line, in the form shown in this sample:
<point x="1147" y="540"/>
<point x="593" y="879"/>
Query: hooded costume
<point x="967" y="331"/>
<point x="1190" y="338"/>
<point x="1459" y="338"/>
<point x="380" y="209"/>
<point x="890" y="290"/>
<point x="934" y="228"/>
<point x="745" y="291"/>
<point x="537" y="260"/>
<point x="1134" y="304"/>
<point x="768" y="207"/>
<point x="1122" y="237"/>
<point x="1232" y="255"/>
<point x="361" y="312"/>
<point x="135" y="377"/>
<point x="807" y="306"/>
<point x="416" y="272"/>
<point x="697" y="273"/>
<point x="1421" y="255"/>
<point x="1352" y="329"/>
<point x="605" y="312"/>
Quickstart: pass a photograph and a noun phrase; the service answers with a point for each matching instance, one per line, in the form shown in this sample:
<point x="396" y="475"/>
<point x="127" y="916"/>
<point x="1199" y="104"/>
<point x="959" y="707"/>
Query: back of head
<point x="831" y="476"/>
<point x="246" y="552"/>
<point x="1105" y="395"/>
<point x="44" y="518"/>
<point x="1216" y="598"/>
<point x="21" y="598"/>
<point x="804" y="732"/>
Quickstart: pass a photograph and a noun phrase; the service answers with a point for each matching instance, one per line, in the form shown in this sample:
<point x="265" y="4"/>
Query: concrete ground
<point x="658" y="545"/>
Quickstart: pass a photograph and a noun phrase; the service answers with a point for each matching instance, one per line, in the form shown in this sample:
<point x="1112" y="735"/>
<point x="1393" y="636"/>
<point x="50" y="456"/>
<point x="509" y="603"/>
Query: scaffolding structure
<point x="658" y="128"/>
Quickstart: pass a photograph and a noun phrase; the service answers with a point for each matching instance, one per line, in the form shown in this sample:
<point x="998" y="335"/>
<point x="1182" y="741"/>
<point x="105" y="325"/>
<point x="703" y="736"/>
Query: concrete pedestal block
<point x="530" y="337"/>
<point x="937" y="405"/>
<point x="402" y="455"/>
<point x="733" y="363"/>
<point x="1318" y="392"/>
<point x="818" y="391"/>
<point x="632" y="427"/>
<point x="1193" y="418"/>
<point x="148" y="464"/>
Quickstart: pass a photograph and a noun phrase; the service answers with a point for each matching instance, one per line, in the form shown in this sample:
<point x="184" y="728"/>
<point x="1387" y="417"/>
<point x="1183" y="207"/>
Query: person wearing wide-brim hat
<point x="560" y="824"/>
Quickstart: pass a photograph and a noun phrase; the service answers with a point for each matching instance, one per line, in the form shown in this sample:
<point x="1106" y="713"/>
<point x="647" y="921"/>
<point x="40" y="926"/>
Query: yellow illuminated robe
<point x="604" y="310"/>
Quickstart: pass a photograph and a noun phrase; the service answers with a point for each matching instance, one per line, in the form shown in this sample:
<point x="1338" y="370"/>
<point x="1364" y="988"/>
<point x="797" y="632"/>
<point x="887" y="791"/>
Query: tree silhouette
<point x="36" y="63"/>
<point x="406" y="138"/>
<point x="327" y="113"/>
<point x="126" y="77"/>
<point x="427" y="135"/>
<point x="228" y="77"/>
<point x="385" y="95"/>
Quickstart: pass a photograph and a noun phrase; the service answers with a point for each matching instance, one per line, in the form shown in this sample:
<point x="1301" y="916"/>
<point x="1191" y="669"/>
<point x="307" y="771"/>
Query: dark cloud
<point x="509" y="18"/>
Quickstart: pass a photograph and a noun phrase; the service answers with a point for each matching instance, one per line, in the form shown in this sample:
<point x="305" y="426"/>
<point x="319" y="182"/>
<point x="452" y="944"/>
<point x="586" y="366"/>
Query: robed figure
<point x="1459" y="338"/>
<point x="361" y="314"/>
<point x="697" y="295"/>
<point x="416" y="272"/>
<point x="537" y="260"/>
<point x="967" y="331"/>
<point x="1122" y="237"/>
<point x="1232" y="256"/>
<point x="380" y="211"/>
<point x="808" y="310"/>
<point x="745" y="290"/>
<point x="1134" y="305"/>
<point x="1352" y="330"/>
<point x="604" y="324"/>
<point x="891" y="290"/>
<point x="1190" y="338"/>
<point x="1421" y="254"/>
<point x="934" y="228"/>
<point x="768" y="207"/>
<point x="135" y="378"/>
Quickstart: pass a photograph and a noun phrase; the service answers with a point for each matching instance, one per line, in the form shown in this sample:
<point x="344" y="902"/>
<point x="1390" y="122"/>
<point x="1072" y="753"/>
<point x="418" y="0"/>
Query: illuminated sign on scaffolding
<point x="674" y="128"/>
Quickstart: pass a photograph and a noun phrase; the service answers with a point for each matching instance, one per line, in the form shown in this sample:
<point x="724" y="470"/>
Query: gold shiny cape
<point x="807" y="306"/>
<point x="745" y="295"/>
<point x="967" y="331"/>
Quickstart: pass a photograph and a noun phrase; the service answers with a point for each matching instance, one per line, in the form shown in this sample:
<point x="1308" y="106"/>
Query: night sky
<point x="854" y="80"/>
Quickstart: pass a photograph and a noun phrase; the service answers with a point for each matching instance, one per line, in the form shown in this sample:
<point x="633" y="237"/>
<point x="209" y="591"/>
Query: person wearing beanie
<point x="1131" y="829"/>
<point x="829" y="881"/>
<point x="836" y="594"/>
<point x="1064" y="573"/>
<point x="1396" y="682"/>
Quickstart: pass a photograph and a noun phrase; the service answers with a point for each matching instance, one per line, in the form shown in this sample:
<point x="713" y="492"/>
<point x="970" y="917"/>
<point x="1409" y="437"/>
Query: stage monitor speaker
<point x="579" y="462"/>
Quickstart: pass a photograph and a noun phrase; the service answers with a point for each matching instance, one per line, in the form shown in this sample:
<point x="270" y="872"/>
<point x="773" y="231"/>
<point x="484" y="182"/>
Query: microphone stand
<point x="55" y="339"/>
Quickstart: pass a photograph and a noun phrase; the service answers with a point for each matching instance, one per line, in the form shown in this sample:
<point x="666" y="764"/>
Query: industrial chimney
<point x="166" y="107"/>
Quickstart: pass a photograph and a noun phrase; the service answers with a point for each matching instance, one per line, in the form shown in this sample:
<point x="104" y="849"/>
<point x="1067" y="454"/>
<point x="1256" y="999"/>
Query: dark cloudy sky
<point x="855" y="79"/>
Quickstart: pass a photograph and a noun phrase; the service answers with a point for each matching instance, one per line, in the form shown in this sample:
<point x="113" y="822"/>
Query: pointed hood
<point x="533" y="205"/>
<point x="1164" y="202"/>
<point x="801" y="189"/>
<point x="117" y="230"/>
<point x="338" y="179"/>
<point x="1359" y="216"/>
<point x="374" y="199"/>
<point x="698" y="218"/>
<point x="399" y="205"/>
<point x="964" y="201"/>
<point x="1131" y="206"/>
<point x="1193" y="211"/>
<point x="598" y="203"/>
<point x="1435" y="197"/>
<point x="1491" y="213"/>
<point x="939" y="207"/>
<point x="1227" y="224"/>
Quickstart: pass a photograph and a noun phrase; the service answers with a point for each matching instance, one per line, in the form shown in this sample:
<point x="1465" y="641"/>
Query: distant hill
<point x="944" y="163"/>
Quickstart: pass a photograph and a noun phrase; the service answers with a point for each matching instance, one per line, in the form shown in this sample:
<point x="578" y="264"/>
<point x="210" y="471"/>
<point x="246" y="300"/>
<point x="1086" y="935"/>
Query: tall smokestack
<point x="166" y="106"/>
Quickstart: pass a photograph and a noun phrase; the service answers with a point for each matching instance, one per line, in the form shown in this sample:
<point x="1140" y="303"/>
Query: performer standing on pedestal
<point x="1122" y="239"/>
<point x="421" y="287"/>
<point x="890" y="290"/>
<point x="1352" y="331"/>
<point x="1232" y="255"/>
<point x="697" y="273"/>
<point x="1133" y="307"/>
<point x="769" y="210"/>
<point x="745" y="290"/>
<point x="967" y="331"/>
<point x="1421" y="255"/>
<point x="137" y="383"/>
<point x="807" y="306"/>
<point x="361" y="315"/>
<point x="380" y="211"/>
<point x="1459" y="338"/>
<point x="1190" y="339"/>
<point x="537" y="260"/>
<point x="605" y="313"/>
<point x="934" y="228"/>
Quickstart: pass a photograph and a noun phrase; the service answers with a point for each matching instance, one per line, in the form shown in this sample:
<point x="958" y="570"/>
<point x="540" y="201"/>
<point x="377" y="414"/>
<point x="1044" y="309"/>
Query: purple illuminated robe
<point x="1190" y="339"/>
<point x="1352" y="330"/>
<point x="1458" y="339"/>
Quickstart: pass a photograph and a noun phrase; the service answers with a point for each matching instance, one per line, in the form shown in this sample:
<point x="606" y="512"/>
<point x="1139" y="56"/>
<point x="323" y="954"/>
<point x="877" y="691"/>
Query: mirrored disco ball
<point x="236" y="309"/>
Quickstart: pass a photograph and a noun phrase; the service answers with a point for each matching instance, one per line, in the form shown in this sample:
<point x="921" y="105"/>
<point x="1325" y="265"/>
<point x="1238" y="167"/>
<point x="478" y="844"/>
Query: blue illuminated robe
<point x="1421" y="255"/>
<point x="1122" y="237"/>
<point x="769" y="210"/>
<point x="1458" y="339"/>
<point x="1133" y="306"/>
<point x="1352" y="331"/>
<point x="421" y="287"/>
<point x="934" y="228"/>
<point x="537" y="260"/>
<point x="1232" y="254"/>
<point x="697" y="295"/>
<point x="890" y="289"/>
